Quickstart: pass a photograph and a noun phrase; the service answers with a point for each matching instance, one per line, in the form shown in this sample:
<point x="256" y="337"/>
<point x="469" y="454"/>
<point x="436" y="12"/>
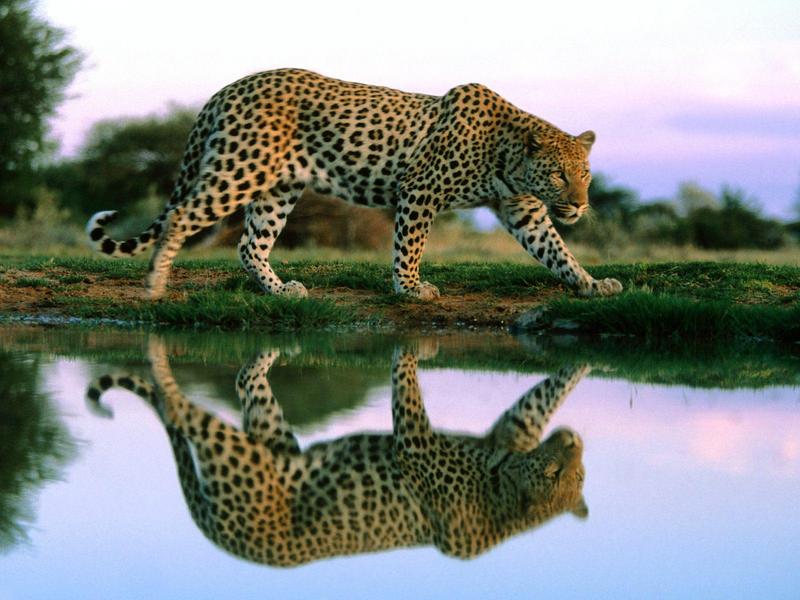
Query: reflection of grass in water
<point x="668" y="361"/>
<point x="717" y="365"/>
<point x="308" y="393"/>
<point x="34" y="445"/>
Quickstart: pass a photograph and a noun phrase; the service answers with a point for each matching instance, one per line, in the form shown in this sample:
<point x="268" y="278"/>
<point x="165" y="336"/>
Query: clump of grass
<point x="33" y="282"/>
<point x="119" y="268"/>
<point x="214" y="308"/>
<point x="70" y="279"/>
<point x="654" y="316"/>
<point x="354" y="275"/>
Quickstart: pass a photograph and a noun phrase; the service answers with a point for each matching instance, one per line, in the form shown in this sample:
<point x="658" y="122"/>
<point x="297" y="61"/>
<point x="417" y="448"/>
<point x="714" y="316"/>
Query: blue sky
<point x="706" y="92"/>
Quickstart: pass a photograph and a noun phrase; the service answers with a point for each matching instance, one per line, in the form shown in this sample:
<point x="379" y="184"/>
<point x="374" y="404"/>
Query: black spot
<point x="108" y="246"/>
<point x="96" y="234"/>
<point x="128" y="246"/>
<point x="522" y="222"/>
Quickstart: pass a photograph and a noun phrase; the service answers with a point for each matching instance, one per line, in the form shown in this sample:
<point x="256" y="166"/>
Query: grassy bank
<point x="700" y="301"/>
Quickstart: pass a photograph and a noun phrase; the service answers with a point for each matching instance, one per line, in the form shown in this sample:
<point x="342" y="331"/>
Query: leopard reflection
<point x="254" y="492"/>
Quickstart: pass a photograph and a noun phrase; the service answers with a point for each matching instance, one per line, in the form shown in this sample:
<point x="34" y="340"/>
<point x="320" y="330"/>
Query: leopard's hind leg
<point x="264" y="221"/>
<point x="215" y="195"/>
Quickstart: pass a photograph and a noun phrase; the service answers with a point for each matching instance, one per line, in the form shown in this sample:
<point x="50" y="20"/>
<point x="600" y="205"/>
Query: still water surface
<point x="688" y="492"/>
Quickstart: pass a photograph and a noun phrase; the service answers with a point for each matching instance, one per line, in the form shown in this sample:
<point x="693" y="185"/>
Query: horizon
<point x="705" y="94"/>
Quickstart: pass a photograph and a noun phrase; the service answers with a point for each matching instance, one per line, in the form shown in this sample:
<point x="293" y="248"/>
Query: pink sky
<point x="704" y="92"/>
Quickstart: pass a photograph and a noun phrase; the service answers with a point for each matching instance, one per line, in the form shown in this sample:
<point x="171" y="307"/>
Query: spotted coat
<point x="254" y="492"/>
<point x="261" y="141"/>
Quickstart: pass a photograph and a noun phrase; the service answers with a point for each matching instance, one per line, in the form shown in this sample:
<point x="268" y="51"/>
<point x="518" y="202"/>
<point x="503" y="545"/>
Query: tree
<point x="611" y="201"/>
<point x="608" y="221"/>
<point x="692" y="197"/>
<point x="794" y="226"/>
<point x="124" y="161"/>
<point x="36" y="65"/>
<point x="35" y="446"/>
<point x="659" y="222"/>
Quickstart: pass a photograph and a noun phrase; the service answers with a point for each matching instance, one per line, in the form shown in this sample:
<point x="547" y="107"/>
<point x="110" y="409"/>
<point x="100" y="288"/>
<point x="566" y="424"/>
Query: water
<point x="692" y="467"/>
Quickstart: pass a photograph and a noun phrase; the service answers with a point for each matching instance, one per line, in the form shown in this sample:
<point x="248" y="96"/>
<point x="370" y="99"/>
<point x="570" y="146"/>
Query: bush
<point x="42" y="226"/>
<point x="735" y="224"/>
<point x="326" y="222"/>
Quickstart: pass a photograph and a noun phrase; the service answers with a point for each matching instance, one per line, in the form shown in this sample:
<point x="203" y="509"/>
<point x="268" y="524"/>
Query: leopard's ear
<point x="532" y="144"/>
<point x="586" y="139"/>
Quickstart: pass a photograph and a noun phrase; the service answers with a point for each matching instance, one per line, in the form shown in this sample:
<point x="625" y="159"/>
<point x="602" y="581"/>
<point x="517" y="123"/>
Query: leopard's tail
<point x="190" y="166"/>
<point x="101" y="242"/>
<point x="132" y="383"/>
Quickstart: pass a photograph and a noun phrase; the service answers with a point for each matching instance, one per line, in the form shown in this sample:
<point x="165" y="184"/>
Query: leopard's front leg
<point x="262" y="415"/>
<point x="412" y="223"/>
<point x="520" y="428"/>
<point x="526" y="218"/>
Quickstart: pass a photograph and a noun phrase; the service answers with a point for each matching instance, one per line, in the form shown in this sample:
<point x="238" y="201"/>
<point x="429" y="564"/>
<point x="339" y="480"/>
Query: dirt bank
<point x="57" y="291"/>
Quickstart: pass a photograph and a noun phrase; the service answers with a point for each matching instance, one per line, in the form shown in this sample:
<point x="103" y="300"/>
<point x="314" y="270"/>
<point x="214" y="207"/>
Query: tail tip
<point x="96" y="233"/>
<point x="99" y="219"/>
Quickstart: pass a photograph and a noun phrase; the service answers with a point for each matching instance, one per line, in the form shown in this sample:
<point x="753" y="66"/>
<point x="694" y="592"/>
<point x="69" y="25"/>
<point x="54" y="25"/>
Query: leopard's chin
<point x="568" y="219"/>
<point x="569" y="215"/>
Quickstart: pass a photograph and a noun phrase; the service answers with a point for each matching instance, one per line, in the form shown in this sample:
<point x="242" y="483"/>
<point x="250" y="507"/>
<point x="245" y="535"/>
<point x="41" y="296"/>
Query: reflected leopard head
<point x="553" y="478"/>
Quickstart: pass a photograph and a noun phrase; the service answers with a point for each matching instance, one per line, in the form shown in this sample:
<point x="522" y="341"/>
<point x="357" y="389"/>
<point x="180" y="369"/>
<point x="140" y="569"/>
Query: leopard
<point x="259" y="143"/>
<point x="257" y="495"/>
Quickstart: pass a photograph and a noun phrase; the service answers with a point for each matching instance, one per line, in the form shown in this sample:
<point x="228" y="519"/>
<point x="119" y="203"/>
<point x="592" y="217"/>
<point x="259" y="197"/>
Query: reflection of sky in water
<point x="691" y="493"/>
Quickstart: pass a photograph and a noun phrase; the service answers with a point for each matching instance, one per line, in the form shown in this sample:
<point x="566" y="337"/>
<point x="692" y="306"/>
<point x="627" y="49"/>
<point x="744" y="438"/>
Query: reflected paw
<point x="420" y="348"/>
<point x="293" y="289"/>
<point x="266" y="358"/>
<point x="155" y="293"/>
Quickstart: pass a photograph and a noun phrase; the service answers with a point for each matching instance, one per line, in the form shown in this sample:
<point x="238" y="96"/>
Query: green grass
<point x="33" y="282"/>
<point x="673" y="318"/>
<point x="213" y="308"/>
<point x="698" y="301"/>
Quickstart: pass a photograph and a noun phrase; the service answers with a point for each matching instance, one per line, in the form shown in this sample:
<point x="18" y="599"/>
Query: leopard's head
<point x="552" y="482"/>
<point x="554" y="167"/>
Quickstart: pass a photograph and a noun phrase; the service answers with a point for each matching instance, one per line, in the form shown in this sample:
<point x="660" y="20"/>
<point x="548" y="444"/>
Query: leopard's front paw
<point x="607" y="287"/>
<point x="600" y="287"/>
<point x="293" y="289"/>
<point x="424" y="291"/>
